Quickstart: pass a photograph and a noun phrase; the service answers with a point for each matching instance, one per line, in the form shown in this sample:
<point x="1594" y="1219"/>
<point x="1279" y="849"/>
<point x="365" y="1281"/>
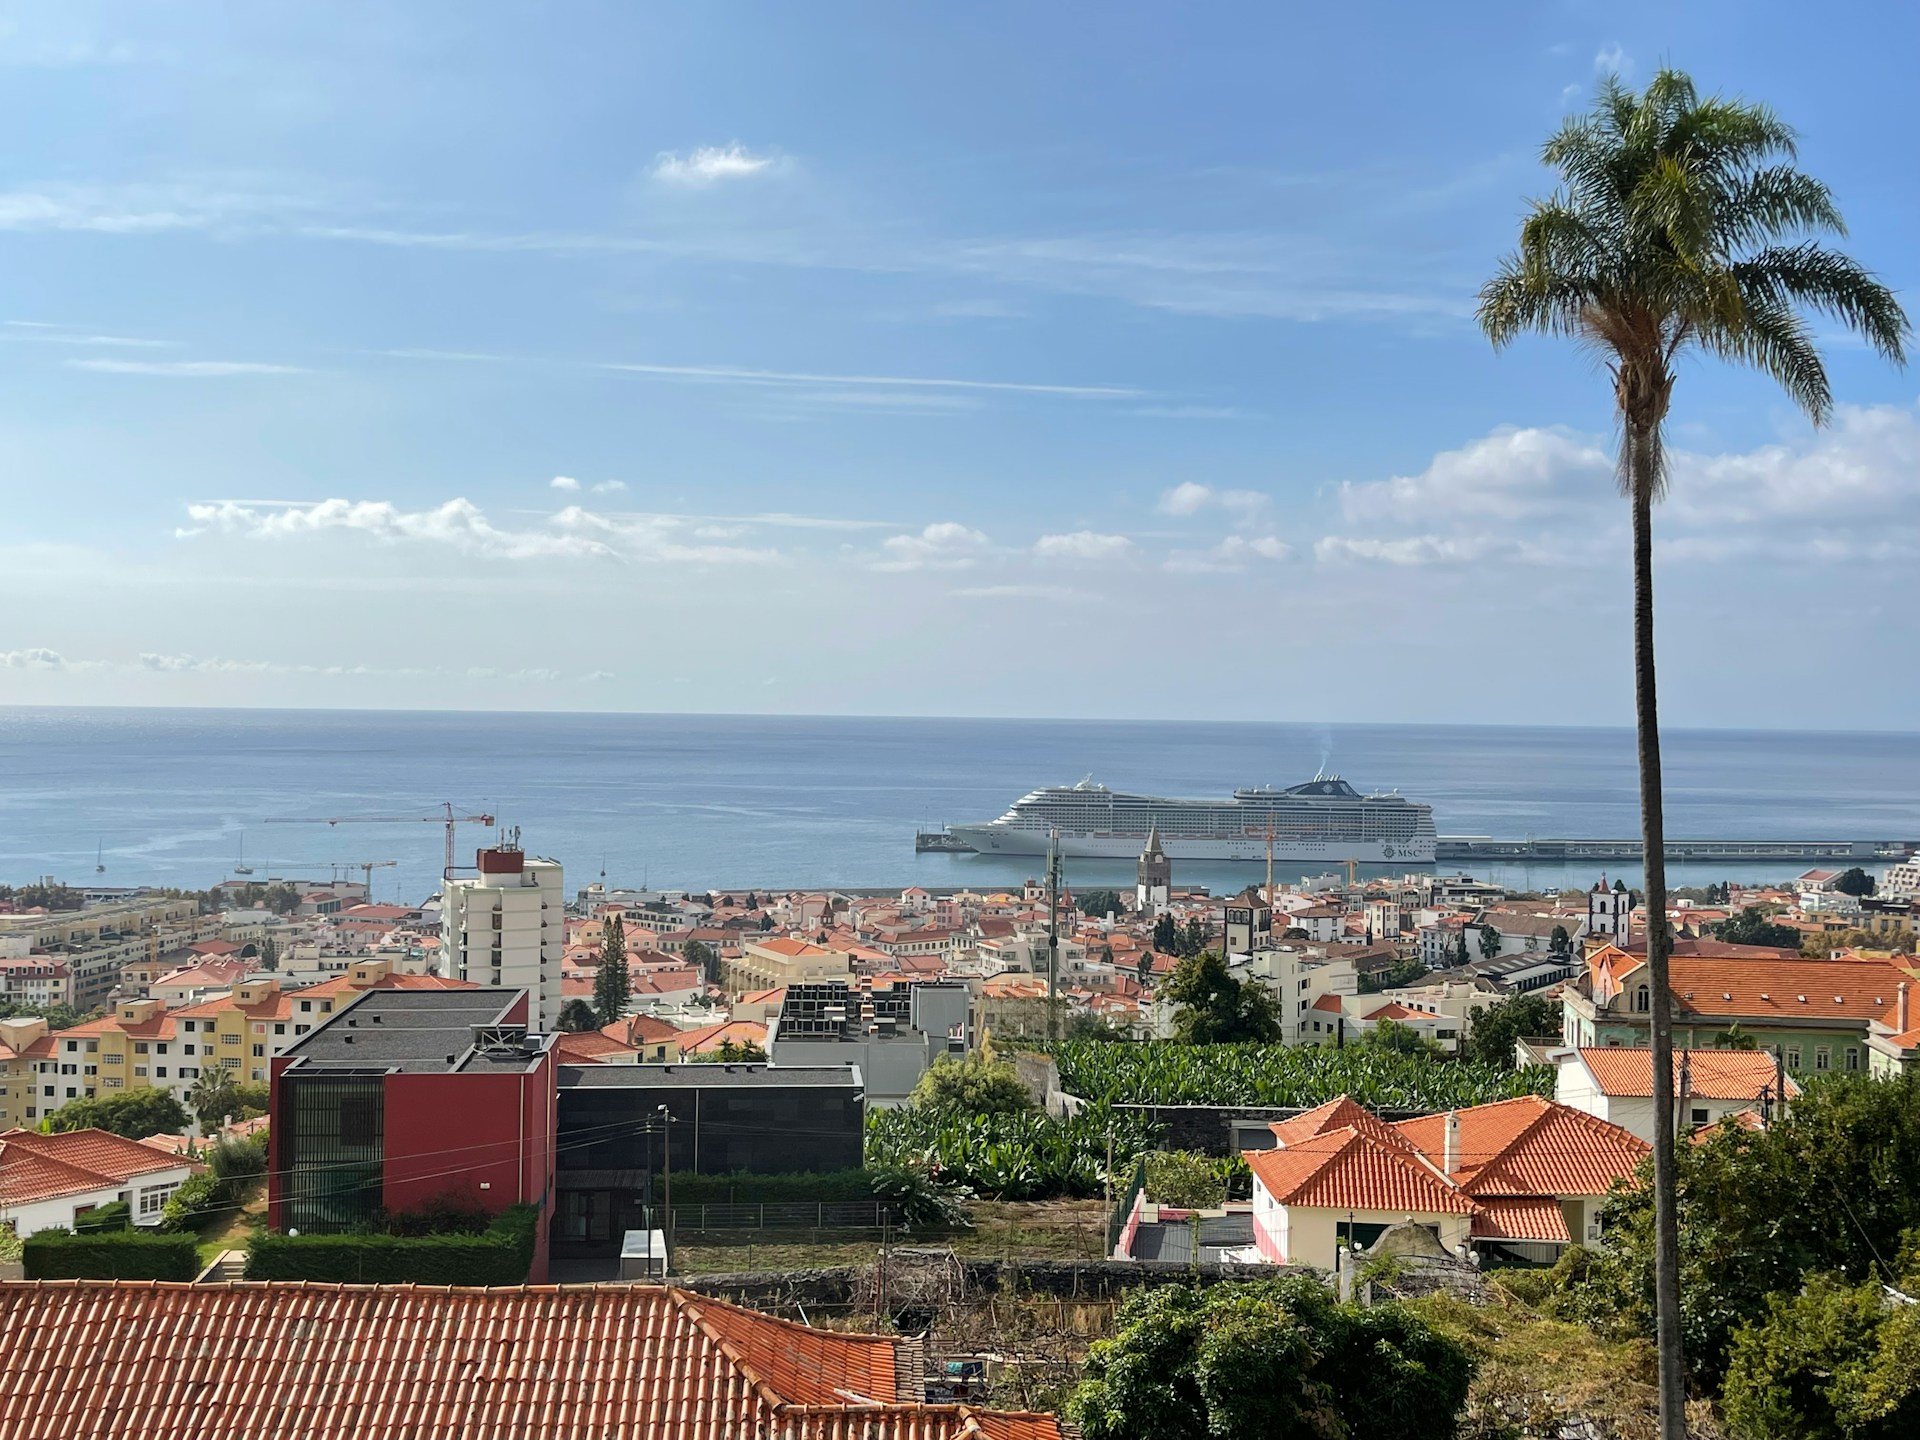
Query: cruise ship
<point x="1323" y="819"/>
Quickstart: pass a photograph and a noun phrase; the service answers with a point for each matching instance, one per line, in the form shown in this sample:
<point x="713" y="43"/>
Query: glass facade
<point x="335" y="1148"/>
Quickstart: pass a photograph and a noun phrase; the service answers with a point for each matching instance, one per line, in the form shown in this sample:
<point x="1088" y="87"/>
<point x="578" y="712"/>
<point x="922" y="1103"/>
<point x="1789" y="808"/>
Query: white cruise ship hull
<point x="1016" y="840"/>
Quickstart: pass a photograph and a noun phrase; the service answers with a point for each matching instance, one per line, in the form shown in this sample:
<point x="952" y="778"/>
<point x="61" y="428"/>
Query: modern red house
<point x="405" y="1098"/>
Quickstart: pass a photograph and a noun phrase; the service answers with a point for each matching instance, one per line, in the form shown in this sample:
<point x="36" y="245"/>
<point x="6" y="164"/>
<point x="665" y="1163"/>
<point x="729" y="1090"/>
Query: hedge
<point x="113" y="1255"/>
<point x="741" y="1188"/>
<point x="115" y="1215"/>
<point x="501" y="1255"/>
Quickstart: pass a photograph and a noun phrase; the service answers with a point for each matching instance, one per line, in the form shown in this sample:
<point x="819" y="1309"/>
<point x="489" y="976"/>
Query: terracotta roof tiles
<point x="1346" y="1169"/>
<point x="1711" y="1074"/>
<point x="1529" y="1146"/>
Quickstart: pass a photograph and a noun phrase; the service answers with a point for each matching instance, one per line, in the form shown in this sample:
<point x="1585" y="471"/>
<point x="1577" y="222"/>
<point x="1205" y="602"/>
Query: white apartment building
<point x="506" y="926"/>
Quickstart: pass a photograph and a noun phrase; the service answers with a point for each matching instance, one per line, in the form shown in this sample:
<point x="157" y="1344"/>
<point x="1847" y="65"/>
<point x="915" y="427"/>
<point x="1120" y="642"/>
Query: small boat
<point x="100" y="857"/>
<point x="240" y="866"/>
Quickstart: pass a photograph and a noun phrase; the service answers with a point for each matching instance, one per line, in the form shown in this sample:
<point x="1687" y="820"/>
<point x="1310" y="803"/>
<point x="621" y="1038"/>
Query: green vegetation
<point x="1490" y="942"/>
<point x="38" y="897"/>
<point x="103" y="1218"/>
<point x="1269" y="1360"/>
<point x="501" y="1254"/>
<point x="1405" y="972"/>
<point x="1099" y="903"/>
<point x="1491" y="1034"/>
<point x="576" y="1017"/>
<point x="612" y="987"/>
<point x="58" y="1017"/>
<point x="209" y="1198"/>
<point x="1023" y="1156"/>
<point x="1395" y="1038"/>
<point x="1855" y="882"/>
<point x="1188" y="1180"/>
<point x="703" y="958"/>
<point x="1167" y="1073"/>
<point x="732" y="1052"/>
<point x="110" y="1255"/>
<point x="974" y="1085"/>
<point x="1819" y="944"/>
<point x="1751" y="927"/>
<point x="1834" y="1362"/>
<point x="135" y="1114"/>
<point x="215" y="1098"/>
<point x="1218" y="1008"/>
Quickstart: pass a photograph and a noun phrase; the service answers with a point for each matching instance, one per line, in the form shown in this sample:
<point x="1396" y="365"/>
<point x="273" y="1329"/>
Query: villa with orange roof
<point x="51" y="1181"/>
<point x="1616" y="1084"/>
<point x="1521" y="1178"/>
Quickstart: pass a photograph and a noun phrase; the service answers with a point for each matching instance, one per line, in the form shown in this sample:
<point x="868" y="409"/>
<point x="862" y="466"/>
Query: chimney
<point x="1450" y="1153"/>
<point x="1900" y="1008"/>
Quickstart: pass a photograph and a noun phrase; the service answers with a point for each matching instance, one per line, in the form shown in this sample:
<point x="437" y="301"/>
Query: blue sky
<point x="984" y="359"/>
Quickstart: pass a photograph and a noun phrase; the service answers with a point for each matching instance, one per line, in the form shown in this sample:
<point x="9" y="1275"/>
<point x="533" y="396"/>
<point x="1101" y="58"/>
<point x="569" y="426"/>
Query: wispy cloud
<point x="1613" y="60"/>
<point x="737" y="375"/>
<point x="1083" y="545"/>
<point x="943" y="545"/>
<point x="609" y="487"/>
<point x="563" y="482"/>
<point x="1236" y="552"/>
<point x="711" y="164"/>
<point x="184" y="369"/>
<point x="1190" y="497"/>
<point x="1063" y="593"/>
<point x="33" y="658"/>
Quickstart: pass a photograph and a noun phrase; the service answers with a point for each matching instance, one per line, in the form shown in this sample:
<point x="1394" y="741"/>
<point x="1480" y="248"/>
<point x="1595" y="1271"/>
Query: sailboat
<point x="240" y="866"/>
<point x="100" y="857"/>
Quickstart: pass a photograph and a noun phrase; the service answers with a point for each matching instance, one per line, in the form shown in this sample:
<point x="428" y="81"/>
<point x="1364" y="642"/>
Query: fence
<point x="1123" y="1204"/>
<point x="790" y="1215"/>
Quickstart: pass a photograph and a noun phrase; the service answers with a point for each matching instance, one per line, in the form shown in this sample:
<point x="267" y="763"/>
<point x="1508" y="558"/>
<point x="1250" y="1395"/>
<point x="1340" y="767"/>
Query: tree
<point x="766" y="922"/>
<point x="1217" y="1007"/>
<point x="1398" y="1039"/>
<point x="269" y="954"/>
<point x="58" y="1017"/>
<point x="974" y="1085"/>
<point x="135" y="1114"/>
<point x="1678" y="224"/>
<point x="1492" y="1032"/>
<point x="213" y="1097"/>
<point x="1166" y="935"/>
<point x="1751" y="927"/>
<point x="1099" y="903"/>
<point x="1402" y="972"/>
<point x="1560" y="942"/>
<point x="1834" y="1362"/>
<point x="1143" y="972"/>
<point x="1459" y="952"/>
<point x="282" y="898"/>
<point x="611" y="985"/>
<point x="753" y="901"/>
<point x="1194" y="938"/>
<point x="1490" y="942"/>
<point x="1268" y="1360"/>
<point x="1294" y="932"/>
<point x="1855" y="882"/>
<point x="699" y="954"/>
<point x="577" y="1017"/>
<point x="1734" y="1038"/>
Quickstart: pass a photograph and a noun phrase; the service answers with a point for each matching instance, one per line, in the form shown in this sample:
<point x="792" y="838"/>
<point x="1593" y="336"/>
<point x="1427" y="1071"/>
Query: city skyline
<point x="694" y="359"/>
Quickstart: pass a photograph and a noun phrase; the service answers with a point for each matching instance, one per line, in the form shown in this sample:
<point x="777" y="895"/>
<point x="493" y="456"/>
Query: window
<point x="301" y="1029"/>
<point x="139" y="1071"/>
<point x="280" y="1027"/>
<point x="139" y="1047"/>
<point x="154" y="1198"/>
<point x="1697" y="1116"/>
<point x="1822" y="1057"/>
<point x="259" y="1050"/>
<point x="159" y="1072"/>
<point x="161" y="1048"/>
<point x="1643" y="999"/>
<point x="1793" y="1057"/>
<point x="114" y="1082"/>
<point x="115" y="1059"/>
<point x="229" y="1039"/>
<point x="1853" y="1058"/>
<point x="230" y="1062"/>
<point x="188" y="1047"/>
<point x="73" y="1047"/>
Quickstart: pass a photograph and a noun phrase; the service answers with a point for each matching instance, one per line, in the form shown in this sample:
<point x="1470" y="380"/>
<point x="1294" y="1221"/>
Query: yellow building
<point x="24" y="1044"/>
<point x="782" y="960"/>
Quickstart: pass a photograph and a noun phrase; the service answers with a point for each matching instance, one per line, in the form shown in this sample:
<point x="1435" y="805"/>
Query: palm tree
<point x="211" y="1097"/>
<point x="1680" y="223"/>
<point x="1734" y="1038"/>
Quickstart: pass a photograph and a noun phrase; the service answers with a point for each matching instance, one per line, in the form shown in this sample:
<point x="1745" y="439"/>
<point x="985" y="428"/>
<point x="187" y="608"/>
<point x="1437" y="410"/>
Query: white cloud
<point x="1412" y="550"/>
<point x="563" y="482"/>
<point x="1613" y="60"/>
<point x="735" y="375"/>
<point x="184" y="369"/>
<point x="943" y="545"/>
<point x="33" y="658"/>
<point x="1510" y="475"/>
<point x="1190" y="498"/>
<point x="1018" y="592"/>
<point x="1082" y="545"/>
<point x="595" y="676"/>
<point x="609" y="487"/>
<point x="1236" y="552"/>
<point x="459" y="524"/>
<point x="709" y="165"/>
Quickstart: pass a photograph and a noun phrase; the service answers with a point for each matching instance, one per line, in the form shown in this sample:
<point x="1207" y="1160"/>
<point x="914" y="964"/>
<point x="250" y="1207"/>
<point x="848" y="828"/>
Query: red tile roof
<point x="1521" y="1217"/>
<point x="1529" y="1146"/>
<point x="1843" y="990"/>
<point x="1346" y="1169"/>
<point x="1394" y="1010"/>
<point x="1345" y="1113"/>
<point x="37" y="1167"/>
<point x="340" y="1362"/>
<point x="1711" y="1074"/>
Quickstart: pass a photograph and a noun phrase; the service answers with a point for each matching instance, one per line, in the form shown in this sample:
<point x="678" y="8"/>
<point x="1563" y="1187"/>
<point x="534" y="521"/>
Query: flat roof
<point x="415" y="1031"/>
<point x="712" y="1075"/>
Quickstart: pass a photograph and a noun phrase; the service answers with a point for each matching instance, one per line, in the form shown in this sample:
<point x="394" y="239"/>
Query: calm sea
<point x="173" y="796"/>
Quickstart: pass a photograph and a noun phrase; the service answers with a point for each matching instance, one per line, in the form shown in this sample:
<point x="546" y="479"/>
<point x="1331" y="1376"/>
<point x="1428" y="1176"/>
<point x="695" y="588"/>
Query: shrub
<point x="1029" y="1156"/>
<point x="114" y="1255"/>
<point x="502" y="1255"/>
<point x="1186" y="1180"/>
<point x="135" y="1114"/>
<point x="975" y="1085"/>
<point x="236" y="1160"/>
<point x="198" y="1197"/>
<point x="118" y="1215"/>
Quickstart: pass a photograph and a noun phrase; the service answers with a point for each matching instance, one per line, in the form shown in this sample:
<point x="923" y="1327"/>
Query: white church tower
<point x="1155" y="876"/>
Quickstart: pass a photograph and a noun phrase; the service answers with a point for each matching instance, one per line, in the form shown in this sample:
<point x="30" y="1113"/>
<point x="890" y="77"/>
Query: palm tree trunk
<point x="1666" y="1227"/>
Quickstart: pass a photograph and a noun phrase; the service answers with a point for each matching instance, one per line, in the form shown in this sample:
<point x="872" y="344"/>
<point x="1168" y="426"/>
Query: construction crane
<point x="366" y="869"/>
<point x="448" y="817"/>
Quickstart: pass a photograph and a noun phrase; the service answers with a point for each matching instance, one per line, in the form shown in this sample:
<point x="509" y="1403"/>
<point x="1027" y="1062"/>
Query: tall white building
<point x="507" y="926"/>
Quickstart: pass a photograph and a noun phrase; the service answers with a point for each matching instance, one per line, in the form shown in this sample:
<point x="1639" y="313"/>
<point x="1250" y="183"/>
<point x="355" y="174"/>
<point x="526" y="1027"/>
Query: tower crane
<point x="366" y="869"/>
<point x="446" y="816"/>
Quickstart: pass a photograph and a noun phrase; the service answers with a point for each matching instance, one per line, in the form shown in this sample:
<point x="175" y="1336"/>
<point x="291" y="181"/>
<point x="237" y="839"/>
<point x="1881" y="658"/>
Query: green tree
<point x="1490" y="942"/>
<point x="577" y="1017"/>
<point x="1403" y="972"/>
<point x="1734" y="1038"/>
<point x="733" y="1052"/>
<point x="1143" y="972"/>
<point x="269" y="954"/>
<point x="612" y="987"/>
<point x="1193" y="939"/>
<point x="974" y="1085"/>
<point x="702" y="957"/>
<point x="1491" y="1033"/>
<point x="1560" y="942"/>
<point x="1100" y="903"/>
<point x="1216" y="1007"/>
<point x="135" y="1114"/>
<point x="1398" y="1039"/>
<point x="766" y="922"/>
<point x="58" y="1017"/>
<point x="213" y="1097"/>
<point x="1166" y="935"/>
<point x="1459" y="955"/>
<point x="282" y="898"/>
<point x="1268" y="1360"/>
<point x="1751" y="927"/>
<point x="1833" y="1362"/>
<point x="1855" y="882"/>
<point x="1680" y="223"/>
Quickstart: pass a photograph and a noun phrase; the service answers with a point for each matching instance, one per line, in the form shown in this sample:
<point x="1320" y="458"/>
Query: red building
<point x="408" y="1098"/>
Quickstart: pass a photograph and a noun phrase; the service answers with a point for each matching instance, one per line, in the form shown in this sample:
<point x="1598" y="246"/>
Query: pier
<point x="1848" y="852"/>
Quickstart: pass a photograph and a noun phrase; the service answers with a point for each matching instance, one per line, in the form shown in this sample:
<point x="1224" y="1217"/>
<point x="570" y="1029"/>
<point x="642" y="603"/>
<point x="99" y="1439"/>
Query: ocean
<point x="173" y="797"/>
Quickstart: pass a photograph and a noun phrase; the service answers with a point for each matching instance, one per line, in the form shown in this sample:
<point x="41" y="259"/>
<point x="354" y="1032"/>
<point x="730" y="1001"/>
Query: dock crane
<point x="446" y="816"/>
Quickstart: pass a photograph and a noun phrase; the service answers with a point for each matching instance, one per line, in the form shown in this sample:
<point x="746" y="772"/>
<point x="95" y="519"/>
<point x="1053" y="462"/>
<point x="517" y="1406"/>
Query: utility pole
<point x="666" y="1201"/>
<point x="1053" y="935"/>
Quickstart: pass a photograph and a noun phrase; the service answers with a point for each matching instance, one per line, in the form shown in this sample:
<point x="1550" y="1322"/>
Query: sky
<point x="985" y="359"/>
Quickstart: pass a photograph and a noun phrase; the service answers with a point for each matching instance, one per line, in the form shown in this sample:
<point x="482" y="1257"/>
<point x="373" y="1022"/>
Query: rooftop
<point x="419" y="1031"/>
<point x="698" y="1075"/>
<point x="354" y="1362"/>
<point x="36" y="1167"/>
